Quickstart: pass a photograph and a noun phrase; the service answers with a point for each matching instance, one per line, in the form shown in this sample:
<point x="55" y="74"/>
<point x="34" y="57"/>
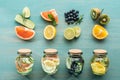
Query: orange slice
<point x="24" y="33"/>
<point x="99" y="32"/>
<point x="53" y="12"/>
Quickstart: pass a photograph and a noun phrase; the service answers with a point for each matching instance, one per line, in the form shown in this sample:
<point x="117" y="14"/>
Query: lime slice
<point x="77" y="31"/>
<point x="69" y="33"/>
<point x="26" y="12"/>
<point x="26" y="22"/>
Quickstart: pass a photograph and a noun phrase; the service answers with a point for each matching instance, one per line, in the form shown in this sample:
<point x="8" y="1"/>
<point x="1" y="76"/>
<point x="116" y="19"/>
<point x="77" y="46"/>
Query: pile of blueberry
<point x="71" y="16"/>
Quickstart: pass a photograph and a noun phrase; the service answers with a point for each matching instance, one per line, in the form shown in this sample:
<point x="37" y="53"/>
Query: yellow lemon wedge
<point x="49" y="32"/>
<point x="49" y="66"/>
<point x="98" y="68"/>
<point x="99" y="32"/>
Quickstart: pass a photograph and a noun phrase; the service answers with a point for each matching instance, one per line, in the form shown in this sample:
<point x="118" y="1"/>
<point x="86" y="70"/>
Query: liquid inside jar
<point x="24" y="64"/>
<point x="75" y="64"/>
<point x="50" y="63"/>
<point x="99" y="62"/>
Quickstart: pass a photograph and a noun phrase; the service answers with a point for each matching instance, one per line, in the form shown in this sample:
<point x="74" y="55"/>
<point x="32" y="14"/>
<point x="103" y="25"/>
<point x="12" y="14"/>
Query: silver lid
<point x="24" y="51"/>
<point x="50" y="51"/>
<point x="100" y="51"/>
<point x="75" y="51"/>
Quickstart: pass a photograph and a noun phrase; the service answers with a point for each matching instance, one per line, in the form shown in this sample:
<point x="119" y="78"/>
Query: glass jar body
<point x="99" y="64"/>
<point x="50" y="63"/>
<point x="75" y="64"/>
<point x="24" y="64"/>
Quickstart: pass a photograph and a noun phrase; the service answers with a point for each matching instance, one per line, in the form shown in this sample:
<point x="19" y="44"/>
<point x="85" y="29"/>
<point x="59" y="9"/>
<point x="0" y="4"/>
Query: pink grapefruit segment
<point x="53" y="12"/>
<point x="24" y="33"/>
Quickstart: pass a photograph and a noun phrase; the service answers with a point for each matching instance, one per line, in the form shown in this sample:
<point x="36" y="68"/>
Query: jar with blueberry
<point x="99" y="62"/>
<point x="24" y="62"/>
<point x="75" y="62"/>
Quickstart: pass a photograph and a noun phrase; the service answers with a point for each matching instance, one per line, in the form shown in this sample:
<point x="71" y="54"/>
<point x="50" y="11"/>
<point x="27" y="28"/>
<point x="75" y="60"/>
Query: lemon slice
<point x="77" y="31"/>
<point x="69" y="33"/>
<point x="49" y="66"/>
<point x="26" y="12"/>
<point x="99" y="32"/>
<point x="49" y="32"/>
<point x="98" y="68"/>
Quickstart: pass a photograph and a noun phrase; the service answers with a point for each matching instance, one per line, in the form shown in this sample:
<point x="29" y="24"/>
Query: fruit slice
<point x="104" y="19"/>
<point x="26" y="22"/>
<point x="49" y="32"/>
<point x="77" y="31"/>
<point x="52" y="12"/>
<point x="49" y="66"/>
<point x="95" y="13"/>
<point x="24" y="33"/>
<point x="26" y="12"/>
<point x="98" y="68"/>
<point x="69" y="33"/>
<point x="99" y="32"/>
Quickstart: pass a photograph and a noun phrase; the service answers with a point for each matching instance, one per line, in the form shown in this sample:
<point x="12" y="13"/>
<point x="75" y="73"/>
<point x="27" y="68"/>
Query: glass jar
<point x="50" y="61"/>
<point x="24" y="62"/>
<point x="99" y="62"/>
<point x="75" y="62"/>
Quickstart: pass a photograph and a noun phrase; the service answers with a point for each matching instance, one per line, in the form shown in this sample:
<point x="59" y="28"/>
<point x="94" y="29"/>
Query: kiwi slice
<point x="104" y="19"/>
<point x="95" y="13"/>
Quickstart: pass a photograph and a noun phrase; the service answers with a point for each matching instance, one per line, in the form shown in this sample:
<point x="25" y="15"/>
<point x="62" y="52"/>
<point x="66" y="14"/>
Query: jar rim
<point x="24" y="51"/>
<point x="100" y="51"/>
<point x="75" y="51"/>
<point x="50" y="51"/>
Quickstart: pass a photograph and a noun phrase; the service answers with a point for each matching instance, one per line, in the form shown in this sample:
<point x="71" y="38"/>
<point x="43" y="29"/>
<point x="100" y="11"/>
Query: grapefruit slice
<point x="24" y="33"/>
<point x="52" y="12"/>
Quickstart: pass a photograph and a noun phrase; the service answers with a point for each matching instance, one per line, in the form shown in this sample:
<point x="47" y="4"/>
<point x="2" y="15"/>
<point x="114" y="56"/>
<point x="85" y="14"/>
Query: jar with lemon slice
<point x="75" y="62"/>
<point x="24" y="62"/>
<point x="50" y="61"/>
<point x="99" y="62"/>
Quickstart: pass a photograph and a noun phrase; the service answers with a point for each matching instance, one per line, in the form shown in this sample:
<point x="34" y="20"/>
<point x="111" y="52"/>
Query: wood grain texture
<point x="9" y="43"/>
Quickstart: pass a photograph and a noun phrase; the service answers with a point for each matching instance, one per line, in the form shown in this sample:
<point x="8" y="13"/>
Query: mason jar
<point x="99" y="62"/>
<point x="24" y="62"/>
<point x="75" y="62"/>
<point x="50" y="61"/>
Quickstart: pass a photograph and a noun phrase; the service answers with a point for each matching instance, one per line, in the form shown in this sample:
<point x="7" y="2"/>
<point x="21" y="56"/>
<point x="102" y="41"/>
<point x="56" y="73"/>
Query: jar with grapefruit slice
<point x="24" y="62"/>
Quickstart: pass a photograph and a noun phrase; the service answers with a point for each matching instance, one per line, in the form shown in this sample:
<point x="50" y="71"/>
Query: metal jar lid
<point x="100" y="51"/>
<point x="24" y="51"/>
<point x="50" y="51"/>
<point x="75" y="51"/>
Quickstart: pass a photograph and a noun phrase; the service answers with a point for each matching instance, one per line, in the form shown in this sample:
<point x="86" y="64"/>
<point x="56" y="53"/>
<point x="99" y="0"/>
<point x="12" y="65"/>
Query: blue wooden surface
<point x="9" y="43"/>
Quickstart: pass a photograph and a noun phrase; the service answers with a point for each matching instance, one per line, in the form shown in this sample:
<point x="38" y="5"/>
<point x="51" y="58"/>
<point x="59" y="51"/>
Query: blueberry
<point x="77" y="12"/>
<point x="73" y="10"/>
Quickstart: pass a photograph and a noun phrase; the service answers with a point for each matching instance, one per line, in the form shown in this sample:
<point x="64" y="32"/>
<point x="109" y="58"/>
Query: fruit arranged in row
<point x="25" y="31"/>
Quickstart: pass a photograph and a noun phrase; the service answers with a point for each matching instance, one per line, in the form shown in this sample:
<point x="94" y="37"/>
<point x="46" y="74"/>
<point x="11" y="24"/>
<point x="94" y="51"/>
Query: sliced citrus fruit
<point x="69" y="33"/>
<point x="98" y="68"/>
<point x="49" y="66"/>
<point x="49" y="32"/>
<point x="26" y="22"/>
<point x="52" y="12"/>
<point x="24" y="33"/>
<point x="77" y="31"/>
<point x="99" y="32"/>
<point x="26" y="12"/>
